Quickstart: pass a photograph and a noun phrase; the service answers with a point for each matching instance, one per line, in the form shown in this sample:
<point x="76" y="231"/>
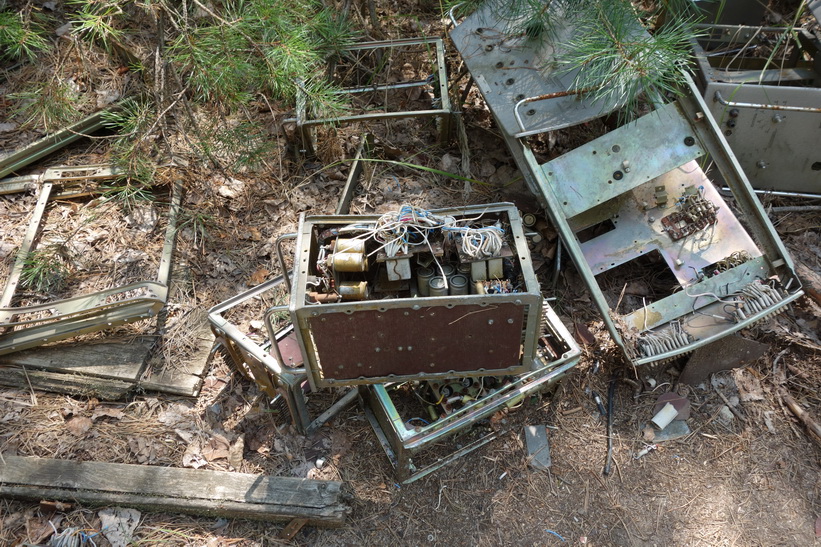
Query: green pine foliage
<point x="20" y="37"/>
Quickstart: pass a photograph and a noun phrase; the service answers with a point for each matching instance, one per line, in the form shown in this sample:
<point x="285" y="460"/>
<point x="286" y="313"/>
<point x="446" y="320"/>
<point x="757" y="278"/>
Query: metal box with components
<point x="413" y="419"/>
<point x="415" y="294"/>
<point x="763" y="86"/>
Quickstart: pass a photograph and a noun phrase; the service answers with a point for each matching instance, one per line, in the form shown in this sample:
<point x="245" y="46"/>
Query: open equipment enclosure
<point x="388" y="298"/>
<point x="763" y="87"/>
<point x="639" y="197"/>
<point x="448" y="407"/>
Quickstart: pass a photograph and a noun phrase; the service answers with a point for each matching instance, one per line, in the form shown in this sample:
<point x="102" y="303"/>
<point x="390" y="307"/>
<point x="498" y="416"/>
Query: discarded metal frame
<point x="50" y="143"/>
<point x="437" y="81"/>
<point x="61" y="319"/>
<point x="402" y="333"/>
<point x="68" y="178"/>
<point x="257" y="362"/>
<point x="633" y="182"/>
<point x="402" y="441"/>
<point x="768" y="108"/>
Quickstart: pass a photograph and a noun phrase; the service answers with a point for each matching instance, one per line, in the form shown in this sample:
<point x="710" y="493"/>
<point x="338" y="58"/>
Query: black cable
<point x="611" y="394"/>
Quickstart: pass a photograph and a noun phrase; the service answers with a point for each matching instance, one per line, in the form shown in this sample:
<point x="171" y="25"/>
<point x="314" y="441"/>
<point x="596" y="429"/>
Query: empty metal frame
<point x="402" y="441"/>
<point x="437" y="81"/>
<point x="766" y="101"/>
<point x="31" y="326"/>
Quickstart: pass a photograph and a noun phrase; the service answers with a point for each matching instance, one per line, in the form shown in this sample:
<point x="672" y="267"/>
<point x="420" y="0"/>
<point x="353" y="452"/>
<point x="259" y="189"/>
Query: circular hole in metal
<point x="520" y="97"/>
<point x="618" y="175"/>
<point x="689" y="141"/>
<point x="510" y="81"/>
<point x="500" y="64"/>
<point x="531" y="112"/>
<point x="489" y="47"/>
<point x="616" y="148"/>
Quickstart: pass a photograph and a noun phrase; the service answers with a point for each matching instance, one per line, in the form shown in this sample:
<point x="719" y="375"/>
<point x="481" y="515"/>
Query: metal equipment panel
<point x="618" y="161"/>
<point x="430" y="337"/>
<point x="768" y="107"/>
<point x="512" y="69"/>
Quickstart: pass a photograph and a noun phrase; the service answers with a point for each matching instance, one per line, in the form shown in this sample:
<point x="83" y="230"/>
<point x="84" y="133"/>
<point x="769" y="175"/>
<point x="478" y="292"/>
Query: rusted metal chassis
<point x="304" y="123"/>
<point x="400" y="339"/>
<point x="87" y="313"/>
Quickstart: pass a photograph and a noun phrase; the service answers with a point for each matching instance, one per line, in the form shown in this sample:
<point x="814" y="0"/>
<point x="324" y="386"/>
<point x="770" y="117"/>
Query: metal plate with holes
<point x="619" y="161"/>
<point x="351" y="343"/>
<point x="769" y="114"/>
<point x="509" y="68"/>
<point x="427" y="337"/>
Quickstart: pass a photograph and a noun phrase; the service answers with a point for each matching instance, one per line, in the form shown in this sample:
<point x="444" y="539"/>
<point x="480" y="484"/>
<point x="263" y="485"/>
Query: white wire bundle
<point x="482" y="242"/>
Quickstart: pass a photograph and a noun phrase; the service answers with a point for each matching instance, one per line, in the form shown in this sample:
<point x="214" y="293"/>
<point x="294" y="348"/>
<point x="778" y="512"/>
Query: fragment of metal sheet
<point x="51" y="143"/>
<point x="404" y="443"/>
<point x="73" y="181"/>
<point x="31" y="326"/>
<point x="437" y="81"/>
<point x="519" y="76"/>
<point x="401" y="336"/>
<point x="639" y="197"/>
<point x="768" y="105"/>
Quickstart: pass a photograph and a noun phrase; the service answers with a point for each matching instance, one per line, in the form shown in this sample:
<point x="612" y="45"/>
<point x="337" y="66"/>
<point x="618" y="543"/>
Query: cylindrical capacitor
<point x="463" y="269"/>
<point x="437" y="286"/>
<point x="448" y="270"/>
<point x="348" y="262"/>
<point x="458" y="284"/>
<point x="353" y="290"/>
<point x="423" y="276"/>
<point x="350" y="246"/>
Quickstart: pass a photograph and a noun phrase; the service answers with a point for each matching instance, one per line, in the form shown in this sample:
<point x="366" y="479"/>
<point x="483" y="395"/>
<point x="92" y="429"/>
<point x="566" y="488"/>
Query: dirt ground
<point x="749" y="476"/>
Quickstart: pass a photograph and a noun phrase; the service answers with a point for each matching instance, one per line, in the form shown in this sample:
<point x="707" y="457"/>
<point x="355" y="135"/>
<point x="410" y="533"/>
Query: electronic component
<point x="390" y="297"/>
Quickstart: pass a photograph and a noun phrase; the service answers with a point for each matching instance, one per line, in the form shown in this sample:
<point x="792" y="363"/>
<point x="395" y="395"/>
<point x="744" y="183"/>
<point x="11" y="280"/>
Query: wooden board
<point x="184" y="377"/>
<point x="58" y="382"/>
<point x="116" y="359"/>
<point x="193" y="491"/>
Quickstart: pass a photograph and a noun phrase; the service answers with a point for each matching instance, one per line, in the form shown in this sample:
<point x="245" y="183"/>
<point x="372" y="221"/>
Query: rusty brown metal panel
<point x="439" y="339"/>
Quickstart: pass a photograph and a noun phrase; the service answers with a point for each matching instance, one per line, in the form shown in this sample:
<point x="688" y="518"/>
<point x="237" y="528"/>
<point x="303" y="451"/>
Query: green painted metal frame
<point x="402" y="442"/>
<point x="62" y="319"/>
<point x="305" y="123"/>
<point x="770" y="118"/>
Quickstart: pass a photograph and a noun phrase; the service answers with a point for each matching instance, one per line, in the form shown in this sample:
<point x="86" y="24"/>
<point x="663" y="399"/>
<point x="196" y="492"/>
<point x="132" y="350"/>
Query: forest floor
<point x="746" y="477"/>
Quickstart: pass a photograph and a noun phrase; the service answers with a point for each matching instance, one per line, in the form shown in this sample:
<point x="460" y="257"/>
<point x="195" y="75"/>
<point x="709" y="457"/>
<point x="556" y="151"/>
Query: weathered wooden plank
<point x="72" y="384"/>
<point x="192" y="491"/>
<point x="184" y="378"/>
<point x="810" y="280"/>
<point x="116" y="359"/>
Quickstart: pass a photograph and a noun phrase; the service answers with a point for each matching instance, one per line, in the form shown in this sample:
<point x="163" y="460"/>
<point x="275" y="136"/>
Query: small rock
<point x="63" y="30"/>
<point x="725" y="415"/>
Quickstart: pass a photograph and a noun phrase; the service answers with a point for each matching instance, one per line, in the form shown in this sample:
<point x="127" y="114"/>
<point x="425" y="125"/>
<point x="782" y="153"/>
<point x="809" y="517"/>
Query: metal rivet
<point x="689" y="141"/>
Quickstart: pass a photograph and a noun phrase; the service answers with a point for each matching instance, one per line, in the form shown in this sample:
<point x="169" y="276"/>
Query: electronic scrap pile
<point x="439" y="306"/>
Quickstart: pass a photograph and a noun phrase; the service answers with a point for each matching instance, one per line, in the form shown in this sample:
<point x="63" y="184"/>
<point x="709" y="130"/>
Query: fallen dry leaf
<point x="258" y="277"/>
<point x="100" y="411"/>
<point x="216" y="448"/>
<point x="79" y="425"/>
<point x="235" y="453"/>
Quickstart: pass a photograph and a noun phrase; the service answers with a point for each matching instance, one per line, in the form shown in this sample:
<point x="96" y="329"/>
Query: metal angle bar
<point x="164" y="272"/>
<point x="723" y="101"/>
<point x="387" y="87"/>
<point x="51" y="143"/>
<point x="453" y="456"/>
<point x="335" y="409"/>
<point x="344" y="205"/>
<point x="25" y="249"/>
